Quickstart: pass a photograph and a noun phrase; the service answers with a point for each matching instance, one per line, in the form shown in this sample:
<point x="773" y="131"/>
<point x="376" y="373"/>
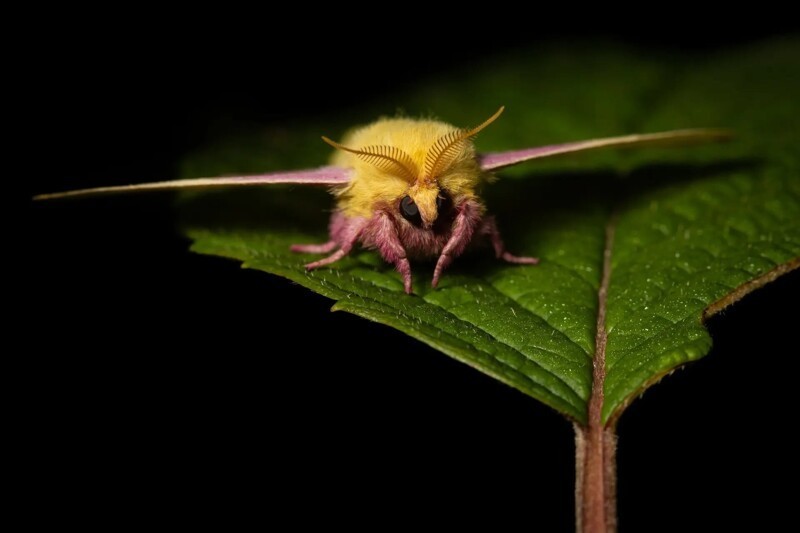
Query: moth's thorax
<point x="418" y="243"/>
<point x="371" y="186"/>
<point x="423" y="243"/>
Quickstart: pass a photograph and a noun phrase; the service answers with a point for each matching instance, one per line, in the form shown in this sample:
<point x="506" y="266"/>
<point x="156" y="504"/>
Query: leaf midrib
<point x="596" y="398"/>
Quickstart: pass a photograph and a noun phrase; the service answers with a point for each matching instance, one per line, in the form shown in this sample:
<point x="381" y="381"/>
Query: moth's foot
<point x="443" y="262"/>
<point x="404" y="267"/>
<point x="509" y="258"/>
<point x="328" y="260"/>
<point x="324" y="248"/>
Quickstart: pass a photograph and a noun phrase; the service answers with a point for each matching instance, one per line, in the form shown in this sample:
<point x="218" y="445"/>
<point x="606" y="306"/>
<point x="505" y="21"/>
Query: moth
<point x="408" y="189"/>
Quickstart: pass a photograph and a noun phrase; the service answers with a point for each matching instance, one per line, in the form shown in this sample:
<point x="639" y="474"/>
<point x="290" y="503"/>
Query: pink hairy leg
<point x="464" y="225"/>
<point x="324" y="248"/>
<point x="490" y="228"/>
<point x="383" y="232"/>
<point x="347" y="237"/>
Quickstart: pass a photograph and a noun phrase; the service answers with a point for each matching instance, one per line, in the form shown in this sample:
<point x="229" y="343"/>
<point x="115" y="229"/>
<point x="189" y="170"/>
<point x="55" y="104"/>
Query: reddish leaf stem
<point x="595" y="445"/>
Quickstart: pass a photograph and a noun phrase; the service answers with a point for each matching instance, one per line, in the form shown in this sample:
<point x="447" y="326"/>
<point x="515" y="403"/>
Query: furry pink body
<point x="398" y="241"/>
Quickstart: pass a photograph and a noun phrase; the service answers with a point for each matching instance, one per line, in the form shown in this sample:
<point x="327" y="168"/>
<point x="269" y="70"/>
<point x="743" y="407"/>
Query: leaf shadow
<point x="275" y="208"/>
<point x="533" y="205"/>
<point x="651" y="179"/>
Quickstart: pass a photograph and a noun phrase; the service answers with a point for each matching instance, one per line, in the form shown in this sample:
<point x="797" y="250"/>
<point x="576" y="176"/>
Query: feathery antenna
<point x="388" y="158"/>
<point x="445" y="150"/>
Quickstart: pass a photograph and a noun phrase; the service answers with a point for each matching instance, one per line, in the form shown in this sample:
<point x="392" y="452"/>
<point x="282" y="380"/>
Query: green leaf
<point x="692" y="228"/>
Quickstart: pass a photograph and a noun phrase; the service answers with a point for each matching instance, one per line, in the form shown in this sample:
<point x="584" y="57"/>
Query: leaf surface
<point x="690" y="227"/>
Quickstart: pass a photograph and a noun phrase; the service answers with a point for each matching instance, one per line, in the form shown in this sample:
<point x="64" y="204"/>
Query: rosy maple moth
<point x="407" y="188"/>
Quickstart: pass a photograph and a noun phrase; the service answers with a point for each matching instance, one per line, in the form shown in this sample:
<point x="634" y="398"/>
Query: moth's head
<point x="432" y="176"/>
<point x="424" y="204"/>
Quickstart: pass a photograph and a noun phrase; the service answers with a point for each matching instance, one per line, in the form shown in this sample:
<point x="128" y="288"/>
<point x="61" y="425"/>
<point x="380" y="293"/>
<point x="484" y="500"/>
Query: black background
<point x="166" y="381"/>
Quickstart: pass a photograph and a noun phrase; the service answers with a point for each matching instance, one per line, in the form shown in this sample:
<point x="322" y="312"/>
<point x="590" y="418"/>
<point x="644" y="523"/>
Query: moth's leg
<point x="324" y="248"/>
<point x="383" y="232"/>
<point x="467" y="219"/>
<point x="349" y="235"/>
<point x="338" y="228"/>
<point x="490" y="228"/>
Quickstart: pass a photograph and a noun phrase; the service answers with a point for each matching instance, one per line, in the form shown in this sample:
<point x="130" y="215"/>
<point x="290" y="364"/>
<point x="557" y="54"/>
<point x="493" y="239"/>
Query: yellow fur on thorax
<point x="371" y="187"/>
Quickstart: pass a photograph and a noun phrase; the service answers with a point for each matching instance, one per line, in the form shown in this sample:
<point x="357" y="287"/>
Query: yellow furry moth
<point x="407" y="188"/>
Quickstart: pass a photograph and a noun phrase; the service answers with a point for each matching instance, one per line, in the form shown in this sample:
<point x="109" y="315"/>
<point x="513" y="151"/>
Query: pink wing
<point x="498" y="160"/>
<point x="317" y="176"/>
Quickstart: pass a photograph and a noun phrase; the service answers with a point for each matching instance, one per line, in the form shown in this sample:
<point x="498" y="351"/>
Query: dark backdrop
<point x="163" y="380"/>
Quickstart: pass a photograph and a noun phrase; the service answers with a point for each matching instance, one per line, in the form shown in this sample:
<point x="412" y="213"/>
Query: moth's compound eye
<point x="443" y="202"/>
<point x="410" y="211"/>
